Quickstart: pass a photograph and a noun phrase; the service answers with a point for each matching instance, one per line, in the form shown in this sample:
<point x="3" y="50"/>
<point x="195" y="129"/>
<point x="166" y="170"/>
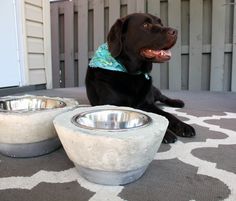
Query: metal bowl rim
<point x="31" y="97"/>
<point x="73" y="120"/>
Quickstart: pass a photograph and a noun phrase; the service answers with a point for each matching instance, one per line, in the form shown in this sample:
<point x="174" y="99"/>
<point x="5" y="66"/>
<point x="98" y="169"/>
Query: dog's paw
<point x="183" y="130"/>
<point x="169" y="137"/>
<point x="176" y="103"/>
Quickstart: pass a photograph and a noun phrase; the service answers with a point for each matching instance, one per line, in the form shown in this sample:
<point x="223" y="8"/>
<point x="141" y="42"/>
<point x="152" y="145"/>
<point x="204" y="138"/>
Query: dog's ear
<point x="114" y="38"/>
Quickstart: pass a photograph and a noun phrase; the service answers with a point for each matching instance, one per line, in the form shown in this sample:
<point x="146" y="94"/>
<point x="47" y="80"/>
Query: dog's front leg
<point x="158" y="96"/>
<point x="176" y="127"/>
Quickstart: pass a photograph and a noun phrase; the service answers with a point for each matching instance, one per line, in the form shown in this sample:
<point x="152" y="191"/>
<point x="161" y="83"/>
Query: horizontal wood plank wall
<point x="203" y="57"/>
<point x="35" y="64"/>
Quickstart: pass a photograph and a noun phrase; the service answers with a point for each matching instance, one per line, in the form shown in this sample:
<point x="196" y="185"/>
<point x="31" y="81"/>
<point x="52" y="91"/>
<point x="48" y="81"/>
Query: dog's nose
<point x="172" y="32"/>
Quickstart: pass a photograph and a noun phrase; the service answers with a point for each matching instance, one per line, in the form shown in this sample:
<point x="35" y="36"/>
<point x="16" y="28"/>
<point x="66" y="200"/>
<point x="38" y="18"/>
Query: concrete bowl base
<point x="108" y="156"/>
<point x="27" y="124"/>
<point x="30" y="149"/>
<point x="112" y="178"/>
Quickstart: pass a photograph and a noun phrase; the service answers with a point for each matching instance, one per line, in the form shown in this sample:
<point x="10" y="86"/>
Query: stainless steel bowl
<point x="27" y="104"/>
<point x="111" y="120"/>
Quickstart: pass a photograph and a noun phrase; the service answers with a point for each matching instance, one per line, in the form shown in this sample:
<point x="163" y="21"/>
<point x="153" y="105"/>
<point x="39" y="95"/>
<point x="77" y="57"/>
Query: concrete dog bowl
<point x="110" y="145"/>
<point x="26" y="127"/>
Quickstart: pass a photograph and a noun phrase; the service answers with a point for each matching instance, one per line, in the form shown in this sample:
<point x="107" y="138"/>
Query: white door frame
<point x="10" y="67"/>
<point x="21" y="33"/>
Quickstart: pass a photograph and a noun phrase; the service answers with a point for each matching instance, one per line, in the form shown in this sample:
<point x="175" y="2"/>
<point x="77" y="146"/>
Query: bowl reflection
<point x="26" y="104"/>
<point x="112" y="120"/>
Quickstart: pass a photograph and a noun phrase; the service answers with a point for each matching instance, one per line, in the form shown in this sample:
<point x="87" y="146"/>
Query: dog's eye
<point x="147" y="25"/>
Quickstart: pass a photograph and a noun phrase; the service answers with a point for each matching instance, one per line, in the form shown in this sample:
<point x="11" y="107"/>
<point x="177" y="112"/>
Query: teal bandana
<point x="103" y="59"/>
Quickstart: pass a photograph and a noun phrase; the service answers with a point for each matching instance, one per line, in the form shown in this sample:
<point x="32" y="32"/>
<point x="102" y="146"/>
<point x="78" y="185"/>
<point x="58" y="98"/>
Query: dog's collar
<point x="103" y="59"/>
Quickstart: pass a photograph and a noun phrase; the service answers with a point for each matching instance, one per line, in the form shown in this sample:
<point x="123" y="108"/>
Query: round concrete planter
<point x="106" y="156"/>
<point x="26" y="127"/>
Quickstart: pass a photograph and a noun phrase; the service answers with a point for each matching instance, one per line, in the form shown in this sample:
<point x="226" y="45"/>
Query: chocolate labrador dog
<point x="118" y="74"/>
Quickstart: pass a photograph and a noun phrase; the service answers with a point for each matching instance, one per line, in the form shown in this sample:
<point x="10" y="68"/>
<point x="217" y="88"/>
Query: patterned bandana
<point x="103" y="59"/>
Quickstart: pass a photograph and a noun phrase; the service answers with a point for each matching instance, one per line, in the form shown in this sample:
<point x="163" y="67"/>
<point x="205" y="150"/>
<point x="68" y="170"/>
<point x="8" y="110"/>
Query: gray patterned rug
<point x="196" y="169"/>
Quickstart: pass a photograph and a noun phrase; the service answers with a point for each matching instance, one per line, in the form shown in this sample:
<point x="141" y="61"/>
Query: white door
<point x="9" y="63"/>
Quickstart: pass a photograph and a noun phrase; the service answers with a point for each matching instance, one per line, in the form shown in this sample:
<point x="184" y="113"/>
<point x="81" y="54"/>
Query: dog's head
<point x="142" y="36"/>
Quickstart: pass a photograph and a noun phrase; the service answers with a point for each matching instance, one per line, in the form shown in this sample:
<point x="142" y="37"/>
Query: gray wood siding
<point x="203" y="58"/>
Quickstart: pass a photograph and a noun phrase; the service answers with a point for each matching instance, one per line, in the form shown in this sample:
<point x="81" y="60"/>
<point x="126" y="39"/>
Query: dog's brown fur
<point x="129" y="40"/>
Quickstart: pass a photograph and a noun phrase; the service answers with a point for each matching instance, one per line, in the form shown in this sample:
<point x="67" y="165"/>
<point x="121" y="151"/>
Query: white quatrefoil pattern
<point x="202" y="168"/>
